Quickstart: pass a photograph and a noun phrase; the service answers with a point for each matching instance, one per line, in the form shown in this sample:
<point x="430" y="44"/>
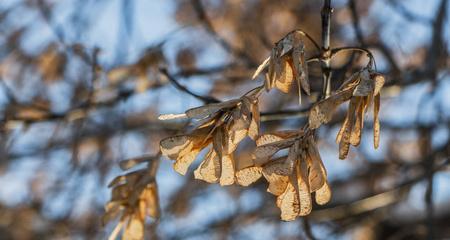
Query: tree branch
<point x="203" y="17"/>
<point x="308" y="229"/>
<point x="205" y="99"/>
<point x="326" y="56"/>
<point x="355" y="21"/>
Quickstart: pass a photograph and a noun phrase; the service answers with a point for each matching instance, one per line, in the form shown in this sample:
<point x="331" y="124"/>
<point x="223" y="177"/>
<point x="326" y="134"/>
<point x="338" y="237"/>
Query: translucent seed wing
<point x="249" y="175"/>
<point x="227" y="174"/>
<point x="304" y="194"/>
<point x="261" y="67"/>
<point x="172" y="146"/>
<point x="344" y="145"/>
<point x="376" y="121"/>
<point x="288" y="203"/>
<point x="323" y="195"/>
<point x="209" y="169"/>
<point x="355" y="138"/>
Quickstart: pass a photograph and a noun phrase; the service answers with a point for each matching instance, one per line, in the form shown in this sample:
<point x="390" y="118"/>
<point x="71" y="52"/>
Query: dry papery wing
<point x="344" y="134"/>
<point x="246" y="171"/>
<point x="278" y="136"/>
<point x="379" y="82"/>
<point x="209" y="170"/>
<point x="234" y="130"/>
<point x="293" y="66"/>
<point x="323" y="195"/>
<point x="209" y="109"/>
<point x="232" y="138"/>
<point x="284" y="46"/>
<point x="261" y="67"/>
<point x="253" y="129"/>
<point x="185" y="159"/>
<point x="368" y="88"/>
<point x="134" y="229"/>
<point x="149" y="201"/>
<point x="284" y="77"/>
<point x="113" y="210"/>
<point x="227" y="175"/>
<point x="277" y="171"/>
<point x="376" y="121"/>
<point x="248" y="118"/>
<point x="241" y="116"/>
<point x="214" y="169"/>
<point x="185" y="148"/>
<point x="209" y="126"/>
<point x="248" y="175"/>
<point x="304" y="78"/>
<point x="278" y="67"/>
<point x="263" y="153"/>
<point x="129" y="178"/>
<point x="133" y="210"/>
<point x="219" y="141"/>
<point x="226" y="160"/>
<point x="295" y="200"/>
<point x="362" y="103"/>
<point x="119" y="202"/>
<point x="283" y="166"/>
<point x="275" y="66"/>
<point x="299" y="65"/>
<point x="175" y="146"/>
<point x="351" y="81"/>
<point x="317" y="174"/>
<point x="212" y="121"/>
<point x="323" y="111"/>
<point x="269" y="144"/>
<point x="342" y="129"/>
<point x="129" y="163"/>
<point x="139" y="187"/>
<point x="288" y="202"/>
<point x="292" y="159"/>
<point x="286" y="63"/>
<point x="365" y="85"/>
<point x="277" y="182"/>
<point x="301" y="184"/>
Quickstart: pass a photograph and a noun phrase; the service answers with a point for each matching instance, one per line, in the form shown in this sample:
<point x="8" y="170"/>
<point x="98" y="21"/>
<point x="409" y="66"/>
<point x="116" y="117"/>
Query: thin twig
<point x="335" y="51"/>
<point x="429" y="199"/>
<point x="410" y="16"/>
<point x="372" y="202"/>
<point x="309" y="38"/>
<point x="308" y="229"/>
<point x="8" y="91"/>
<point x="326" y="56"/>
<point x="283" y="115"/>
<point x="355" y="19"/>
<point x="205" y="99"/>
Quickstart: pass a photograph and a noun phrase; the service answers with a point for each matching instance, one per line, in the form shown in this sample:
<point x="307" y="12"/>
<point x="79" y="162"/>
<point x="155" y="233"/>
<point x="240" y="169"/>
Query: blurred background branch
<point x="81" y="88"/>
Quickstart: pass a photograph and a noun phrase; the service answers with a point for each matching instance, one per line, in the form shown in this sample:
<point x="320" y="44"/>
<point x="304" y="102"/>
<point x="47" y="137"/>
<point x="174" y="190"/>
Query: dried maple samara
<point x="222" y="126"/>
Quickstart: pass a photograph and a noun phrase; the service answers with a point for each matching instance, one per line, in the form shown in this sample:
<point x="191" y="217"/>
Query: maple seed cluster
<point x="222" y="126"/>
<point x="134" y="196"/>
<point x="362" y="89"/>
<point x="299" y="175"/>
<point x="292" y="178"/>
<point x="286" y="63"/>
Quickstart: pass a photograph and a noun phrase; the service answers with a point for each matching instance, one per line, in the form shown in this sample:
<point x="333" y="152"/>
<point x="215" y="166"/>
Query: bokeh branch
<point x="82" y="88"/>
